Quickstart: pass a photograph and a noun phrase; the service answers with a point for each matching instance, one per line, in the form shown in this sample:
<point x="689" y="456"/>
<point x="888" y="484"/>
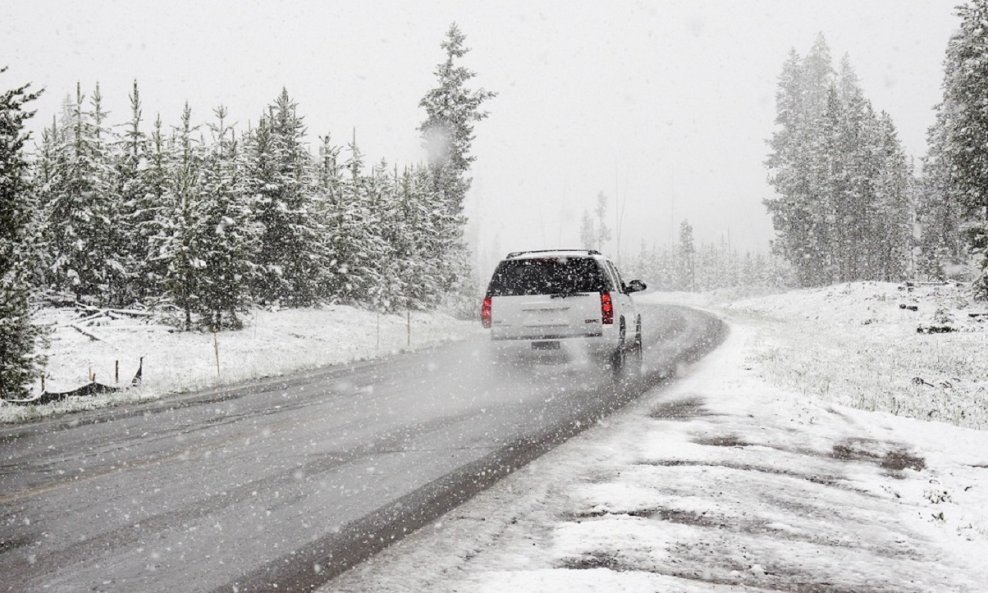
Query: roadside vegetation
<point x="198" y="224"/>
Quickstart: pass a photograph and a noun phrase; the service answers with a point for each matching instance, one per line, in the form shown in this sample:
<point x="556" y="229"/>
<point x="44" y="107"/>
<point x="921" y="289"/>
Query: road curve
<point x="282" y="484"/>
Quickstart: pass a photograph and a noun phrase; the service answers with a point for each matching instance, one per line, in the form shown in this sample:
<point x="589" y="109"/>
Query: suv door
<point x="626" y="306"/>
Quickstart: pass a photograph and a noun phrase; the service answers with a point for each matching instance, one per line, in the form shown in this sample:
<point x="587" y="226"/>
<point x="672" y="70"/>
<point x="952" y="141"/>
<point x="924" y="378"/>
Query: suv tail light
<point x="606" y="309"/>
<point x="485" y="312"/>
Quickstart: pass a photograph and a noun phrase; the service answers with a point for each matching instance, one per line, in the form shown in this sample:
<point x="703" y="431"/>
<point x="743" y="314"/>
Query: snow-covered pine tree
<point x="327" y="200"/>
<point x="19" y="336"/>
<point x="962" y="119"/>
<point x="77" y="212"/>
<point x="749" y="271"/>
<point x="227" y="236"/>
<point x="667" y="268"/>
<point x="138" y="203"/>
<point x="686" y="256"/>
<point x="939" y="214"/>
<point x="357" y="243"/>
<point x="426" y="275"/>
<point x="43" y="178"/>
<point x="112" y="238"/>
<point x="452" y="109"/>
<point x="389" y="218"/>
<point x="179" y="248"/>
<point x="603" y="232"/>
<point x="588" y="235"/>
<point x="846" y="176"/>
<point x="157" y="224"/>
<point x="260" y="171"/>
<point x="420" y="272"/>
<point x="789" y="166"/>
<point x="891" y="239"/>
<point x="838" y="172"/>
<point x="706" y="266"/>
<point x="816" y="137"/>
<point x="279" y="177"/>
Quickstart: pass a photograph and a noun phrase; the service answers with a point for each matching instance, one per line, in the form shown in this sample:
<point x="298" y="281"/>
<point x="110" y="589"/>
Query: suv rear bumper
<point x="543" y="337"/>
<point x="571" y="348"/>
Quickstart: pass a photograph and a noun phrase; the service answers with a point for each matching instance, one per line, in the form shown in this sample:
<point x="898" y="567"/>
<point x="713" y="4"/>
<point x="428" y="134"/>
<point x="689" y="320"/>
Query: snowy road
<point x="720" y="482"/>
<point x="288" y="482"/>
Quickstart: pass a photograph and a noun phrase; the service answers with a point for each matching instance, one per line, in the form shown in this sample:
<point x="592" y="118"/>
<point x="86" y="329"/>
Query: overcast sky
<point x="666" y="104"/>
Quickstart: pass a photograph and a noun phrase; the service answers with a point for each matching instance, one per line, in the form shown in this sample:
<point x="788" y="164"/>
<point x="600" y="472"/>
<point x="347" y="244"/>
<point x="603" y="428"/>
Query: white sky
<point x="663" y="100"/>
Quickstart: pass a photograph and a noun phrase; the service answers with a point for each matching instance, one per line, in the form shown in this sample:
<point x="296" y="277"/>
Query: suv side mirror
<point x="636" y="286"/>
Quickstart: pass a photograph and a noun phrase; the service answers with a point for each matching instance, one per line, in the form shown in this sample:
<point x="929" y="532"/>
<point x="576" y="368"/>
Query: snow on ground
<point x="728" y="480"/>
<point x="272" y="343"/>
<point x="857" y="344"/>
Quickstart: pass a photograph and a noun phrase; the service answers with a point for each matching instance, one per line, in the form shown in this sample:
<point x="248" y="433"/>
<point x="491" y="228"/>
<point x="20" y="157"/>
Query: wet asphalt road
<point x="282" y="484"/>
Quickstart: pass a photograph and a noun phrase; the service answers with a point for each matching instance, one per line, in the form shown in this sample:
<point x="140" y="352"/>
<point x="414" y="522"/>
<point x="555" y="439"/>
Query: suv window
<point x="617" y="276"/>
<point x="516" y="277"/>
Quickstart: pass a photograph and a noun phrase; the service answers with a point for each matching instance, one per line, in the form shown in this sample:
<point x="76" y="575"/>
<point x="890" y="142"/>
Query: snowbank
<point x="860" y="344"/>
<point x="272" y="343"/>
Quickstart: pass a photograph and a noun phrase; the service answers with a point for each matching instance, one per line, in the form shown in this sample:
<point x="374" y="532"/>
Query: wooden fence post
<point x="216" y="350"/>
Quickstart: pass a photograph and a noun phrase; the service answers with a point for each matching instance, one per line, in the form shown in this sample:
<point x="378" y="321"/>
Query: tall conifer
<point x="19" y="335"/>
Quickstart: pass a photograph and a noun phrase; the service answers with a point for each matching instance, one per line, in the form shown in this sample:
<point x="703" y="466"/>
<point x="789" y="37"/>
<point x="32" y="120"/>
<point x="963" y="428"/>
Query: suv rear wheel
<point x="618" y="358"/>
<point x="637" y="353"/>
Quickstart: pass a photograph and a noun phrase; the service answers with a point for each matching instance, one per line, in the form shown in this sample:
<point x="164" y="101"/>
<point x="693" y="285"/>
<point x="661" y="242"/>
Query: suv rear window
<point x="518" y="277"/>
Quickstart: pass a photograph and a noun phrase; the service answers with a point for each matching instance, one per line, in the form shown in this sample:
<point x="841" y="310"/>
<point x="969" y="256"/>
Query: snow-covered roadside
<point x="857" y="344"/>
<point x="722" y="482"/>
<point x="272" y="343"/>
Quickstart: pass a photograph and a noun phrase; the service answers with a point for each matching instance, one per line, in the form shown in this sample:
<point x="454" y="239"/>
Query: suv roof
<point x="551" y="253"/>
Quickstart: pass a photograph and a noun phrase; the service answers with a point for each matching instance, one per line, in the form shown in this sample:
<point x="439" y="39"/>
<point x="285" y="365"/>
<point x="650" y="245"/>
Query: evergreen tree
<point x="686" y="258"/>
<point x="891" y="239"/>
<point x="138" y="203"/>
<point x="389" y="218"/>
<point x="452" y="109"/>
<point x="19" y="336"/>
<point x="790" y="167"/>
<point x="939" y="213"/>
<point x="43" y="179"/>
<point x="179" y="248"/>
<point x="414" y="276"/>
<point x="279" y="178"/>
<point x="357" y="241"/>
<point x="588" y="234"/>
<point x="226" y="234"/>
<point x="958" y="158"/>
<point x="430" y="263"/>
<point x="327" y="205"/>
<point x="843" y="209"/>
<point x="77" y="210"/>
<point x="112" y="237"/>
<point x="156" y="219"/>
<point x="603" y="233"/>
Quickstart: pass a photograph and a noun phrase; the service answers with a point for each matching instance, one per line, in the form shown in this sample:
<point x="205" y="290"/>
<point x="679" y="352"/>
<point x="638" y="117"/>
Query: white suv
<point x="545" y="297"/>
